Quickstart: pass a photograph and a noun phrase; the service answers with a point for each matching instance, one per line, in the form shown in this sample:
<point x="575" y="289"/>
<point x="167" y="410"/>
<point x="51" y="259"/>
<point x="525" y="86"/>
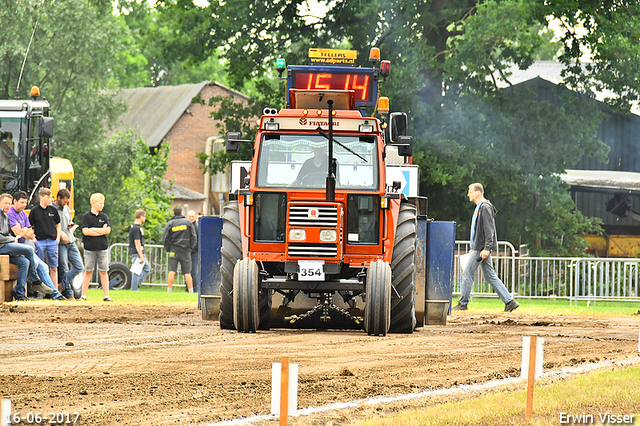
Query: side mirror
<point x="232" y="142"/>
<point x="46" y="127"/>
<point x="397" y="126"/>
<point x="405" y="146"/>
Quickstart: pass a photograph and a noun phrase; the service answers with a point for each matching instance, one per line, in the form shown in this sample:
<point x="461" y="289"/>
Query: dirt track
<point x="164" y="365"/>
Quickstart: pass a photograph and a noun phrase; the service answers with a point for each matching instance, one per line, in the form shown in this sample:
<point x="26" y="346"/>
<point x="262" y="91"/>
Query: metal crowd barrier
<point x="157" y="257"/>
<point x="572" y="278"/>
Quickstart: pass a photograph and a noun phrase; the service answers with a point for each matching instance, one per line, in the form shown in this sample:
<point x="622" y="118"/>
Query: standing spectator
<point x="195" y="261"/>
<point x="95" y="228"/>
<point x="136" y="249"/>
<point x="46" y="225"/>
<point x="21" y="227"/>
<point x="68" y="250"/>
<point x="179" y="239"/>
<point x="483" y="241"/>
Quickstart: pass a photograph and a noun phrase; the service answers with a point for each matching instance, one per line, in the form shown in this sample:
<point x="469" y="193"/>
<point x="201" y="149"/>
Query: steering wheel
<point x="312" y="179"/>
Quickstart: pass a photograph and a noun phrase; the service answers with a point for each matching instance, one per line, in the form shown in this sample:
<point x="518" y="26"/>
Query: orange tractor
<point x="318" y="233"/>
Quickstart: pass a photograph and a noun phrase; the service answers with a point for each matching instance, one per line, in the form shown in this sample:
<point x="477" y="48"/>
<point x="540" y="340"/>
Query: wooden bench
<point x="8" y="276"/>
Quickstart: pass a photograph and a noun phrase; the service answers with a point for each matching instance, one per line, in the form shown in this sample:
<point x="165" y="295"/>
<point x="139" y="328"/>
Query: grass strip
<point x="148" y="295"/>
<point x="614" y="392"/>
<point x="557" y="307"/>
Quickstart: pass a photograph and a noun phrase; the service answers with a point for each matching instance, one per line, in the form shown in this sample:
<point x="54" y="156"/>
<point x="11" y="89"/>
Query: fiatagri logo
<point x="323" y="123"/>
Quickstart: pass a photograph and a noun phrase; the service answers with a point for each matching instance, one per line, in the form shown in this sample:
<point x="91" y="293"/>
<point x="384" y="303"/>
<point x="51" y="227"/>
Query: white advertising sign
<point x="409" y="177"/>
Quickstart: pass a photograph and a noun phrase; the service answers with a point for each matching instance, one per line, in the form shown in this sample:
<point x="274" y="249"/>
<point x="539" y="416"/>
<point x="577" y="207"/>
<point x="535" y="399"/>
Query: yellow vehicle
<point x="62" y="178"/>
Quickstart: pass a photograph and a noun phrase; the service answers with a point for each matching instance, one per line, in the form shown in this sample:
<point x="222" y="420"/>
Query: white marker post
<point x="5" y="412"/>
<point x="526" y="355"/>
<point x="532" y="349"/>
<point x="284" y="389"/>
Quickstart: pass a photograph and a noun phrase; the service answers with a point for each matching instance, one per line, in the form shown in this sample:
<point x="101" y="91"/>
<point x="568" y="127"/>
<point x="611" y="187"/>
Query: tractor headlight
<point x="328" y="235"/>
<point x="271" y="125"/>
<point x="297" y="234"/>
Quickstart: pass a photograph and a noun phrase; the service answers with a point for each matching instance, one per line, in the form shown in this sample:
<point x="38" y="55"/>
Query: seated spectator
<point x="21" y="228"/>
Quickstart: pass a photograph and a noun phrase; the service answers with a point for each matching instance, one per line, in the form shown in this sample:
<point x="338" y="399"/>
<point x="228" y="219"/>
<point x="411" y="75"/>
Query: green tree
<point x="79" y="48"/>
<point x="159" y="52"/>
<point x="129" y="178"/>
<point x="144" y="189"/>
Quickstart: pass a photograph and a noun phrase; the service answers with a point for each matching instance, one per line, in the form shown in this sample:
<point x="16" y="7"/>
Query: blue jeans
<point x="47" y="250"/>
<point x="68" y="253"/>
<point x="136" y="280"/>
<point x="38" y="271"/>
<point x="42" y="274"/>
<point x="489" y="274"/>
<point x="20" y="289"/>
<point x="195" y="267"/>
<point x="15" y="249"/>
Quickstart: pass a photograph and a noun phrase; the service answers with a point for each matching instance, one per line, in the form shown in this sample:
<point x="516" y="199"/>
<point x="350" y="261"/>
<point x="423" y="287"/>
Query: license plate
<point x="311" y="270"/>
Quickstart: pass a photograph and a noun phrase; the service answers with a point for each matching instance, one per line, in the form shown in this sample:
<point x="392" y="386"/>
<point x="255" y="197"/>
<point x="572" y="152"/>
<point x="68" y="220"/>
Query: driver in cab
<point x="314" y="170"/>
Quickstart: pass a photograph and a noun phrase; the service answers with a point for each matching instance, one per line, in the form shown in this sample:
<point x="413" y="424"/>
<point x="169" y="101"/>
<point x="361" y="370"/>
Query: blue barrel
<point x="441" y="241"/>
<point x="210" y="241"/>
<point x="421" y="277"/>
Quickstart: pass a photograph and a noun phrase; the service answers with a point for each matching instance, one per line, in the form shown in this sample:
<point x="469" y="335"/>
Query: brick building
<point x="167" y="116"/>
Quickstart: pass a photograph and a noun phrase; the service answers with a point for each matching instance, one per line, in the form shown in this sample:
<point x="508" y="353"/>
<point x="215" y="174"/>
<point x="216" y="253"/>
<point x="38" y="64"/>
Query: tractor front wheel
<point x="246" y="310"/>
<point x="377" y="308"/>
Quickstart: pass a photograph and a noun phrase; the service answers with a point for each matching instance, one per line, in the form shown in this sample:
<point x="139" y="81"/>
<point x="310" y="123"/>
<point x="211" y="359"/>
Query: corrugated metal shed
<point x="594" y="183"/>
<point x="153" y="111"/>
<point x="550" y="71"/>
<point x="610" y="182"/>
<point x="592" y="190"/>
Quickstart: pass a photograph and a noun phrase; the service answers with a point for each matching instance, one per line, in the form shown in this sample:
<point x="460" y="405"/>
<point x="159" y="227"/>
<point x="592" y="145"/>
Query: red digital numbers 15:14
<point x="330" y="81"/>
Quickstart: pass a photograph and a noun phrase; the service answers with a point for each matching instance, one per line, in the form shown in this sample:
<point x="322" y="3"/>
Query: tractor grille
<point x="299" y="215"/>
<point x="312" y="250"/>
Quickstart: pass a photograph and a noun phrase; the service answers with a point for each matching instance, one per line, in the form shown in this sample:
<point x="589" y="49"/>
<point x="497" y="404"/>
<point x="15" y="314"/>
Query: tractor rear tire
<point x="246" y="286"/>
<point x="403" y="271"/>
<point x="231" y="252"/>
<point x="377" y="308"/>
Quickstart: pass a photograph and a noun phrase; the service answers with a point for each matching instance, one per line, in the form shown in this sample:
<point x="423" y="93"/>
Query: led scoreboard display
<point x="361" y="81"/>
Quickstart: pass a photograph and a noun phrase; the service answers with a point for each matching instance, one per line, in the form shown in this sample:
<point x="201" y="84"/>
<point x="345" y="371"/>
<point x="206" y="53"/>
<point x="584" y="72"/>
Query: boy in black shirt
<point x="136" y="250"/>
<point x="95" y="228"/>
<point x="46" y="225"/>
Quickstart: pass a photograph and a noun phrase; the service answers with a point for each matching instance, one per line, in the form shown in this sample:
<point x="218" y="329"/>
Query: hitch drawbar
<point x="326" y="305"/>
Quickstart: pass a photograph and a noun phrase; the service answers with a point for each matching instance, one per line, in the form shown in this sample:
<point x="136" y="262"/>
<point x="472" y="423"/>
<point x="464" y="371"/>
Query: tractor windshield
<point x="11" y="126"/>
<point x="301" y="161"/>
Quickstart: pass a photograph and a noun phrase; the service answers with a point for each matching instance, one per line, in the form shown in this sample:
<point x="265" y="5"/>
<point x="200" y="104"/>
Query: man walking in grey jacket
<point x="483" y="241"/>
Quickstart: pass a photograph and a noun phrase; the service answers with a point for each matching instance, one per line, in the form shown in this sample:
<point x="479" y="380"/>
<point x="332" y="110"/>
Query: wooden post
<point x="532" y="375"/>
<point x="284" y="391"/>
